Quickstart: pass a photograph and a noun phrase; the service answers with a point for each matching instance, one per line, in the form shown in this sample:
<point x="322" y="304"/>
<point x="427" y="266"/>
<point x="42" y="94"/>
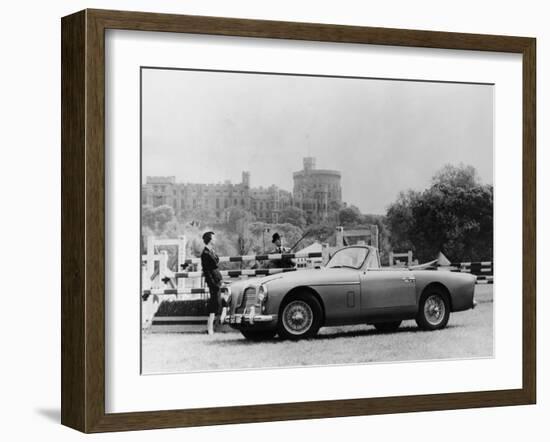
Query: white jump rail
<point x="265" y="257"/>
<point x="237" y="273"/>
<point x="175" y="291"/>
<point x="483" y="270"/>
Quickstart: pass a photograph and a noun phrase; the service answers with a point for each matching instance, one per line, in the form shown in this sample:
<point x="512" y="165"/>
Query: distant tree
<point x="157" y="219"/>
<point x="350" y="216"/>
<point x="293" y="215"/>
<point x="400" y="221"/>
<point x="462" y="176"/>
<point x="319" y="232"/>
<point x="199" y="216"/>
<point x="148" y="217"/>
<point x="163" y="215"/>
<point x="238" y="219"/>
<point x="454" y="215"/>
<point x="383" y="234"/>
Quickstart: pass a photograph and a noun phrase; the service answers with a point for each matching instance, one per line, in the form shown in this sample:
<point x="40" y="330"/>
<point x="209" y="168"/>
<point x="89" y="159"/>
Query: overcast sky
<point x="383" y="135"/>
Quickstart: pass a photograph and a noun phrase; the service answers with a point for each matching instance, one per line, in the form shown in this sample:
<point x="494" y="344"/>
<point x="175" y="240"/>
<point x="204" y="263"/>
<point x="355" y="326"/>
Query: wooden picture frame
<point x="83" y="220"/>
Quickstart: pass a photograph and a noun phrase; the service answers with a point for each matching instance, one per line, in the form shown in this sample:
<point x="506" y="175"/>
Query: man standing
<point x="283" y="263"/>
<point x="213" y="278"/>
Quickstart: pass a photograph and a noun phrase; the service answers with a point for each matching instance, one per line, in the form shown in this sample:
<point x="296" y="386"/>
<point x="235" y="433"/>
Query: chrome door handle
<point x="409" y="278"/>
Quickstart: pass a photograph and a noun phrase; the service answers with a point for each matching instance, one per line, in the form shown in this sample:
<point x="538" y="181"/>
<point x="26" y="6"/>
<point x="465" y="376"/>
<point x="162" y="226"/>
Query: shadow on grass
<point x="324" y="337"/>
<point x="374" y="332"/>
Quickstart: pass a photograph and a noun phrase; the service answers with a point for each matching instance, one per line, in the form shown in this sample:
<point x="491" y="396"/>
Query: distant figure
<point x="283" y="263"/>
<point x="213" y="278"/>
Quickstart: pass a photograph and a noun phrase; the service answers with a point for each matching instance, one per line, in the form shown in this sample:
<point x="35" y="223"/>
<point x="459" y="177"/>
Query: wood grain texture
<point x="95" y="221"/>
<point x="83" y="219"/>
<point x="144" y="21"/>
<point x="73" y="253"/>
<point x="529" y="221"/>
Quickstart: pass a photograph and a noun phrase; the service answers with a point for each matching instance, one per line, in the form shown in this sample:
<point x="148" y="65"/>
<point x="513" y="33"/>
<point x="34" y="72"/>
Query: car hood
<point x="308" y="277"/>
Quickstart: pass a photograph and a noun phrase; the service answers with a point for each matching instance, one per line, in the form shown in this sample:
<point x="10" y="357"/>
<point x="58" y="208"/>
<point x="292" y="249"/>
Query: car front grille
<point x="248" y="300"/>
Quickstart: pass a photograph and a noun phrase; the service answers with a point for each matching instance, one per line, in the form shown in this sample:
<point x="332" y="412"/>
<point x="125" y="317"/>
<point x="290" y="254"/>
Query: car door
<point x="387" y="292"/>
<point x="340" y="291"/>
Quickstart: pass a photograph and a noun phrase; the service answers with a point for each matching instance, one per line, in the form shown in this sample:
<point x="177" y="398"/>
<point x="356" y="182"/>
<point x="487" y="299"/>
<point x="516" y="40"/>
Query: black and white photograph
<point x="308" y="220"/>
<point x="269" y="221"/>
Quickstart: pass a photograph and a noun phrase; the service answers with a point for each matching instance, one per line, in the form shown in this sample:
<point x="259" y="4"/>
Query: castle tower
<point x="246" y="179"/>
<point x="317" y="189"/>
<point x="309" y="164"/>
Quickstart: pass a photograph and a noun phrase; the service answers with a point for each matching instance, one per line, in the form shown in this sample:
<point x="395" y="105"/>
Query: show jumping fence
<point x="159" y="282"/>
<point x="483" y="270"/>
<point x="265" y="257"/>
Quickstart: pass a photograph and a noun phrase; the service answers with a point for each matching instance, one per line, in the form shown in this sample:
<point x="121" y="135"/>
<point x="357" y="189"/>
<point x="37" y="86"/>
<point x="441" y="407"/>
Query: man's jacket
<point x="209" y="261"/>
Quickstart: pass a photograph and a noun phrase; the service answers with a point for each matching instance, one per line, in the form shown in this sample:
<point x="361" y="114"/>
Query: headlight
<point x="262" y="293"/>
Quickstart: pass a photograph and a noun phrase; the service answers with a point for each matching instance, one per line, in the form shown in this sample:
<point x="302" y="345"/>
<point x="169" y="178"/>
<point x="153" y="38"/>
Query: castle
<point x="316" y="192"/>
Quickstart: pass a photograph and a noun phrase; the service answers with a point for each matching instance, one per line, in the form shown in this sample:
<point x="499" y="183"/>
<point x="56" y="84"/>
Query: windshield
<point x="352" y="257"/>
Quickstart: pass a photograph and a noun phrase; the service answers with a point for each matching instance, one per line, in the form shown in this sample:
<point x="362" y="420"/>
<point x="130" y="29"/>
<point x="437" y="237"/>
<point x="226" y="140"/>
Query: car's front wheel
<point x="301" y="317"/>
<point x="433" y="310"/>
<point x="259" y="335"/>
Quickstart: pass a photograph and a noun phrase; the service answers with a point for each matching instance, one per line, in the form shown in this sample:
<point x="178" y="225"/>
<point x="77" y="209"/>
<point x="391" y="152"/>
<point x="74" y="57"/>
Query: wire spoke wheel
<point x="300" y="316"/>
<point x="297" y="317"/>
<point x="434" y="310"/>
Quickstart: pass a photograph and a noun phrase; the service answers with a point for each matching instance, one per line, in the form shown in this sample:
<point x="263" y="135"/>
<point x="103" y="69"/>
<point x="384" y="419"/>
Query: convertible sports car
<point x="351" y="289"/>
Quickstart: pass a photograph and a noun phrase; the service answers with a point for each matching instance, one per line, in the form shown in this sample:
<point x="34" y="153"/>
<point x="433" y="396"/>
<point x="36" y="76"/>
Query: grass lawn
<point x="469" y="334"/>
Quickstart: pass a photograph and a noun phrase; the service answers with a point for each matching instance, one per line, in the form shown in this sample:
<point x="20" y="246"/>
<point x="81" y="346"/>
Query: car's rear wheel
<point x="387" y="327"/>
<point x="301" y="317"/>
<point x="433" y="310"/>
<point x="259" y="335"/>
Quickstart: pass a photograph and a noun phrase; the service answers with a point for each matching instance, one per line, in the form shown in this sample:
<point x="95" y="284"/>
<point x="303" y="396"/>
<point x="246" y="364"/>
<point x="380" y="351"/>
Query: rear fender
<point x="459" y="286"/>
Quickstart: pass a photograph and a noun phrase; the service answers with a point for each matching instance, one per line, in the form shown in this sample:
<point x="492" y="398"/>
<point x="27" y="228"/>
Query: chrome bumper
<point x="247" y="318"/>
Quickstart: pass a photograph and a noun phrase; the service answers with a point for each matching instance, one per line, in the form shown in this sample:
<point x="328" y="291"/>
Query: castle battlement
<point x="316" y="191"/>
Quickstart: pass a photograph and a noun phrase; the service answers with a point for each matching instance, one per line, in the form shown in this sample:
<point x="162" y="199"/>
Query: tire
<point x="434" y="309"/>
<point x="300" y="318"/>
<point x="387" y="327"/>
<point x="259" y="335"/>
